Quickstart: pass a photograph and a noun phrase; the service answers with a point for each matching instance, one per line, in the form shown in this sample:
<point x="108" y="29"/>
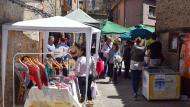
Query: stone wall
<point x="99" y="6"/>
<point x="171" y="58"/>
<point x="8" y="13"/>
<point x="172" y="14"/>
<point x="19" y="41"/>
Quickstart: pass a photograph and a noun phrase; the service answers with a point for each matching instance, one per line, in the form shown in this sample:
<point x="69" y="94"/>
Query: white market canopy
<point x="46" y="25"/>
<point x="81" y="16"/>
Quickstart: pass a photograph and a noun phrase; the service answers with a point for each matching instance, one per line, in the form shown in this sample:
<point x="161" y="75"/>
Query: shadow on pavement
<point x="124" y="90"/>
<point x="101" y="82"/>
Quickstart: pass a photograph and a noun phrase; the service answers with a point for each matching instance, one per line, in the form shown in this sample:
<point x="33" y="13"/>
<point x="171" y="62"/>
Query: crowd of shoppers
<point x="133" y="55"/>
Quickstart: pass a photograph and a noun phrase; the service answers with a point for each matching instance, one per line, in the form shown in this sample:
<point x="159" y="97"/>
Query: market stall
<point x="45" y="25"/>
<point x="81" y="16"/>
<point x="108" y="27"/>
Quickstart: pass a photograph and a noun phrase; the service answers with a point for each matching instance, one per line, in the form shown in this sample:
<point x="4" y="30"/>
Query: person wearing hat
<point x="74" y="51"/>
<point x="136" y="65"/>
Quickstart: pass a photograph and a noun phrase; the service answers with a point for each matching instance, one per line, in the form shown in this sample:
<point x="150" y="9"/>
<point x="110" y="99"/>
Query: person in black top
<point x="127" y="58"/>
<point x="155" y="52"/>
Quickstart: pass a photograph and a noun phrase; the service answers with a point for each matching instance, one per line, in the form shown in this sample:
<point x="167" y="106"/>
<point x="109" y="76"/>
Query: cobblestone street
<point x="119" y="95"/>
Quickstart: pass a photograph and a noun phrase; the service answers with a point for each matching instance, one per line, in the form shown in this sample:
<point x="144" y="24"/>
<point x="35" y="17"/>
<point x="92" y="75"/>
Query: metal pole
<point x="77" y="4"/>
<point x="3" y="62"/>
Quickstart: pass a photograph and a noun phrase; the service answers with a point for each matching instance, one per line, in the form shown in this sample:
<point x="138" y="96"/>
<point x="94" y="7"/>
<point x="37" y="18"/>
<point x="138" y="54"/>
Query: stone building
<point x="95" y="8"/>
<point x="173" y="20"/>
<point x="18" y="10"/>
<point x="91" y="6"/>
<point x="133" y="12"/>
<point x="173" y="26"/>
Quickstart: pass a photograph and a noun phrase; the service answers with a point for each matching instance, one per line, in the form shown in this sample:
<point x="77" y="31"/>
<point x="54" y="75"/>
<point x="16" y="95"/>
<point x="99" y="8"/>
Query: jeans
<point x="82" y="86"/>
<point x="120" y="68"/>
<point x="127" y="66"/>
<point x="110" y="70"/>
<point x="115" y="74"/>
<point x="136" y="78"/>
<point x="89" y="92"/>
<point x="105" y="66"/>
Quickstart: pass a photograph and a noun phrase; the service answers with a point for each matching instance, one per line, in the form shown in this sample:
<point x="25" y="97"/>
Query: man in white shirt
<point x="51" y="46"/>
<point x="105" y="50"/>
<point x="107" y="47"/>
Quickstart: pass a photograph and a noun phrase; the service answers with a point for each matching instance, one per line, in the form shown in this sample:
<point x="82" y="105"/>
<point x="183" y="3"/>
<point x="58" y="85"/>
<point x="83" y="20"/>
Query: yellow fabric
<point x="51" y="104"/>
<point x="149" y="41"/>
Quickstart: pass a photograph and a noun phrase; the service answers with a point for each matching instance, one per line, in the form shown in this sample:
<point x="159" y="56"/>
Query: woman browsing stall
<point x="80" y="71"/>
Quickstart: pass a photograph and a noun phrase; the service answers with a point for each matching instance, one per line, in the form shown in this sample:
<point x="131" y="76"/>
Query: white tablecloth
<point x="53" y="94"/>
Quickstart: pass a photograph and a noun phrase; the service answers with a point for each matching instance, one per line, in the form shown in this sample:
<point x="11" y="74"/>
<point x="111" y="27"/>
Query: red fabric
<point x="23" y="74"/>
<point x="100" y="67"/>
<point x="33" y="71"/>
<point x="44" y="78"/>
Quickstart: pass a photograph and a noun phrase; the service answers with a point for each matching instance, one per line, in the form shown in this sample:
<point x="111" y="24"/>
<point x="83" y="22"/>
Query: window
<point x="152" y="12"/>
<point x="69" y="2"/>
<point x="173" y="42"/>
<point x="93" y="2"/>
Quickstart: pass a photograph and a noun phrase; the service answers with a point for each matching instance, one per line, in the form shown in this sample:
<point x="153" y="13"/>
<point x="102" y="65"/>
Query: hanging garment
<point x="20" y="81"/>
<point x="22" y="71"/>
<point x="43" y="75"/>
<point x="48" y="71"/>
<point x="35" y="75"/>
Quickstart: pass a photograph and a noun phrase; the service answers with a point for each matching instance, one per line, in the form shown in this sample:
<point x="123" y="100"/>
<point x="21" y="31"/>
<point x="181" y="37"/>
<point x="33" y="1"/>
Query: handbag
<point x="94" y="90"/>
<point x="93" y="69"/>
<point x="100" y="67"/>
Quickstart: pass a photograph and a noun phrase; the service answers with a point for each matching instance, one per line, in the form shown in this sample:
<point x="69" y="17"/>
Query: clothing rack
<point x="37" y="54"/>
<point x="14" y="70"/>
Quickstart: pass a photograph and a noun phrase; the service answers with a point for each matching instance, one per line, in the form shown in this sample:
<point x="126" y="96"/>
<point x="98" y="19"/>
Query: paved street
<point x="119" y="95"/>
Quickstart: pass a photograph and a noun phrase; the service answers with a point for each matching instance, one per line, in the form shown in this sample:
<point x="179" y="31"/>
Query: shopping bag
<point x="100" y="67"/>
<point x="94" y="90"/>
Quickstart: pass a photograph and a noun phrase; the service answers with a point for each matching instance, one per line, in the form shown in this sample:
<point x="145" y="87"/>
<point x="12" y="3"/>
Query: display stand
<point x="46" y="25"/>
<point x="17" y="54"/>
